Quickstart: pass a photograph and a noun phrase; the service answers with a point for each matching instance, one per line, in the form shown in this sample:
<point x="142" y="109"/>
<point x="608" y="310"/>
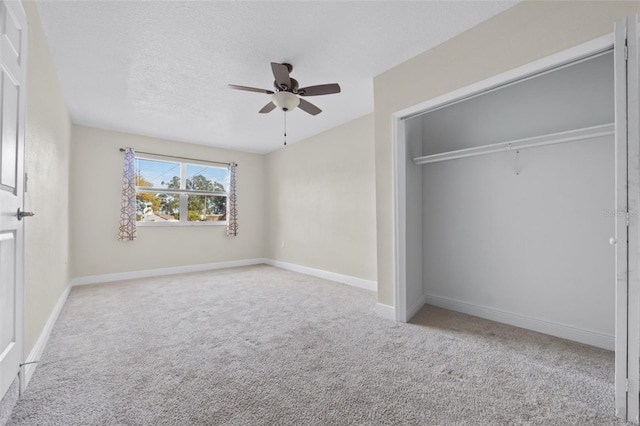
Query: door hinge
<point x="626" y="53"/>
<point x="26" y="179"/>
<point x="626" y="385"/>
<point x="627" y="218"/>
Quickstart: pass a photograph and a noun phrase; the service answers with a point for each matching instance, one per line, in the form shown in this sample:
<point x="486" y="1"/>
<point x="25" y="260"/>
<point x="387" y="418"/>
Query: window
<point x="174" y="192"/>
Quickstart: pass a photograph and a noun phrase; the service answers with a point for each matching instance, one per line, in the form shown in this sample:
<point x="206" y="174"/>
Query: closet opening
<point x="506" y="200"/>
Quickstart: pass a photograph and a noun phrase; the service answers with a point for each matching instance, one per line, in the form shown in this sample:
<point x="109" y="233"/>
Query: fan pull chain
<point x="285" y="128"/>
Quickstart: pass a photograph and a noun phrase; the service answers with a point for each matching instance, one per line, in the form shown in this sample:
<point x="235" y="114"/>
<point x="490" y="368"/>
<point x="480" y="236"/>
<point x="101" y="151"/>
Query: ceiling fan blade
<point x="267" y="108"/>
<point x="281" y="73"/>
<point x="322" y="89"/>
<point x="250" y="89"/>
<point x="307" y="106"/>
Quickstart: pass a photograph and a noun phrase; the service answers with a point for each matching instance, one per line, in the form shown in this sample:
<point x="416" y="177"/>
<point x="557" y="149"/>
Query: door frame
<point x="403" y="312"/>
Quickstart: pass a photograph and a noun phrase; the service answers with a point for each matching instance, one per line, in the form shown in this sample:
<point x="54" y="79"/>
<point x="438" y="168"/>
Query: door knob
<point x="22" y="214"/>
<point x="612" y="241"/>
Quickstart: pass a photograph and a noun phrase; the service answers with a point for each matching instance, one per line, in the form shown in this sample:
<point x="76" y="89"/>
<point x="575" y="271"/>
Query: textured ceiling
<point x="160" y="68"/>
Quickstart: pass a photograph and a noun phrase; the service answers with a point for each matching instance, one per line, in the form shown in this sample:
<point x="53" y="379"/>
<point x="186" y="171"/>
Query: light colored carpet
<point x="265" y="346"/>
<point x="8" y="401"/>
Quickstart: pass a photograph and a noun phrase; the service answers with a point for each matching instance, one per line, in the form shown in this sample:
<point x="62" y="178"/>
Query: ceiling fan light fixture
<point x="287" y="91"/>
<point x="286" y="101"/>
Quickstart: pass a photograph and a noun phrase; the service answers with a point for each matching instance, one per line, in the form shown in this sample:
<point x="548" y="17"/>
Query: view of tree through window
<point x="173" y="191"/>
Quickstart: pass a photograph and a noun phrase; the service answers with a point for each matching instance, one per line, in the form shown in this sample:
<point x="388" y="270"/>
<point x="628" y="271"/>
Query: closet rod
<point x="517" y="144"/>
<point x="178" y="158"/>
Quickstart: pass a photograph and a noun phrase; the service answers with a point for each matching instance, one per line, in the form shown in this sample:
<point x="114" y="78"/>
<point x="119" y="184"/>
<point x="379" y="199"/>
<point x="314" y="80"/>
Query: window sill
<point x="181" y="224"/>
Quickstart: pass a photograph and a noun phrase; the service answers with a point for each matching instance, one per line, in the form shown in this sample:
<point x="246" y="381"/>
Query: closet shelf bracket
<point x="516" y="157"/>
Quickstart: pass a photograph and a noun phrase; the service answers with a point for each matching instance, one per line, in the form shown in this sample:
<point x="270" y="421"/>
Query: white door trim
<point x="399" y="222"/>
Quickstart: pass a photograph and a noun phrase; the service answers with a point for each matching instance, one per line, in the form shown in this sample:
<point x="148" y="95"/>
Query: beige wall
<point x="321" y="201"/>
<point x="48" y="129"/>
<point x="530" y="30"/>
<point x="96" y="174"/>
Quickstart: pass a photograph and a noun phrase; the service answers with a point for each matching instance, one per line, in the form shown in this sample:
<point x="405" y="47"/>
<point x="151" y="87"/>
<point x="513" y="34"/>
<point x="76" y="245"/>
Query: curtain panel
<point x="232" y="207"/>
<point x="128" y="231"/>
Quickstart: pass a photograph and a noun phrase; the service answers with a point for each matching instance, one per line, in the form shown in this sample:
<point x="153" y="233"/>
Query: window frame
<point x="183" y="192"/>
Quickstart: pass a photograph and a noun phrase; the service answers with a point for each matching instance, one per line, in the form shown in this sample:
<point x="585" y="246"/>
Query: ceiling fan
<point x="287" y="92"/>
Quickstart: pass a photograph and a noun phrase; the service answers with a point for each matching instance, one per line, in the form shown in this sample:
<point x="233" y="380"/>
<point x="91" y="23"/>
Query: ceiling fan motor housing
<point x="294" y="86"/>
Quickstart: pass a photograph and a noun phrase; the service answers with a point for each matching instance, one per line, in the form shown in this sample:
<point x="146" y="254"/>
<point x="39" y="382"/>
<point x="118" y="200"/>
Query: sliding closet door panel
<point x="633" y="191"/>
<point x="621" y="209"/>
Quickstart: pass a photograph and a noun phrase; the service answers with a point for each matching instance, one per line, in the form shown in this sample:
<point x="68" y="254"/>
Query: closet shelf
<point x="517" y="144"/>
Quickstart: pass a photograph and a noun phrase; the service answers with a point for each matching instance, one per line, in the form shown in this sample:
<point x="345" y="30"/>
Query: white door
<point x="13" y="47"/>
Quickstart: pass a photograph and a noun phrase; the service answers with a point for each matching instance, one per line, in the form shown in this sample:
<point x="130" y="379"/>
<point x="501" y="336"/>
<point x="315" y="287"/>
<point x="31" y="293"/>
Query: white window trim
<point x="183" y="192"/>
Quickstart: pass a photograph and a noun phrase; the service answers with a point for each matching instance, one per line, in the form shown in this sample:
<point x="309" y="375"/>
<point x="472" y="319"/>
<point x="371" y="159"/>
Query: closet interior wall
<point x="527" y="240"/>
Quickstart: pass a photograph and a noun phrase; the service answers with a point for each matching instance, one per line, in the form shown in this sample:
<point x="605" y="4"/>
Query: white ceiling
<point x="161" y="68"/>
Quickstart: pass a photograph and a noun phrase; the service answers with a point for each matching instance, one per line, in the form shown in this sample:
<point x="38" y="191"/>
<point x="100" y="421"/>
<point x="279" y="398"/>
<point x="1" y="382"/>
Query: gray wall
<point x="534" y="244"/>
<point x="577" y="96"/>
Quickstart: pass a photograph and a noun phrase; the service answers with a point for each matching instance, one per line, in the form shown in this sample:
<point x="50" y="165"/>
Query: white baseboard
<point x="385" y="311"/>
<point x="331" y="276"/>
<point x="593" y="338"/>
<point x="38" y="348"/>
<point x="120" y="276"/>
<point x="411" y="311"/>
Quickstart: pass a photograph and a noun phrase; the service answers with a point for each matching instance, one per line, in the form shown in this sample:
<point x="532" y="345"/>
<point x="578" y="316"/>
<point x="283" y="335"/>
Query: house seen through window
<point x="174" y="192"/>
